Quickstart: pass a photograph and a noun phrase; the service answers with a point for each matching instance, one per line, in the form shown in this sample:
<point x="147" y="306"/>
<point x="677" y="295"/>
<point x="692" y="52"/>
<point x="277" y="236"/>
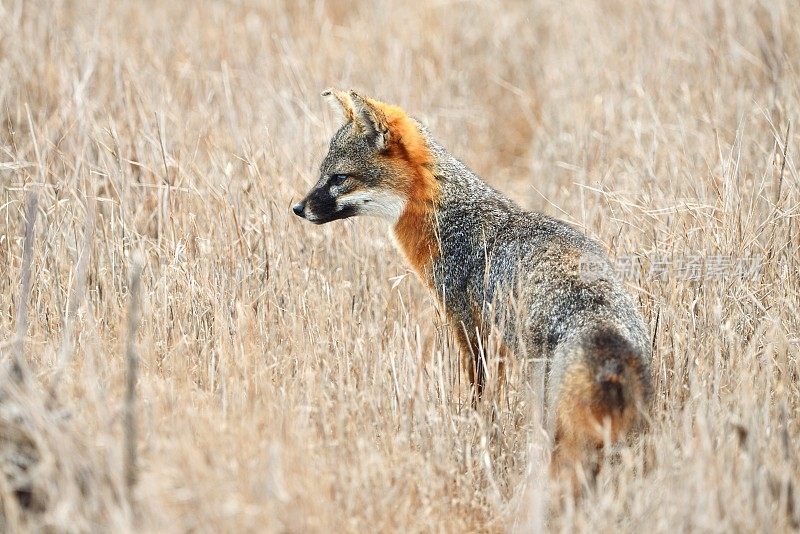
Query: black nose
<point x="299" y="209"/>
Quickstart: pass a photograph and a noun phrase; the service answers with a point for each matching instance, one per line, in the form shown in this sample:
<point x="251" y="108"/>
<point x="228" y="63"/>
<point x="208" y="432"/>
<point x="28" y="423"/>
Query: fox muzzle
<point x="320" y="208"/>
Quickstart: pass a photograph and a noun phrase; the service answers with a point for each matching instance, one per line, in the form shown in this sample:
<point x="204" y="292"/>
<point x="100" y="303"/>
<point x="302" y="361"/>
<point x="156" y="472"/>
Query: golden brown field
<point x="297" y="378"/>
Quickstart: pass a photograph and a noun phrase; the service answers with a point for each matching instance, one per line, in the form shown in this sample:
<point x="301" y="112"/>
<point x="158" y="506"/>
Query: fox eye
<point x="337" y="179"/>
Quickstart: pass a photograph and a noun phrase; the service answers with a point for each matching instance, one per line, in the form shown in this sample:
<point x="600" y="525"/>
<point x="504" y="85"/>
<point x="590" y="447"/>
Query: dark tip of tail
<point x="613" y="394"/>
<point x="612" y="385"/>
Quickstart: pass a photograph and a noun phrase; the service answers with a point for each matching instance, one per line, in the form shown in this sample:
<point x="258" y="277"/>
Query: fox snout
<point x="304" y="210"/>
<point x="320" y="206"/>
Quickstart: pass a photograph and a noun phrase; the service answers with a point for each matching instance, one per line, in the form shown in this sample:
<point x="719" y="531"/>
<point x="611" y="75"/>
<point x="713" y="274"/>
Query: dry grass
<point x="290" y="377"/>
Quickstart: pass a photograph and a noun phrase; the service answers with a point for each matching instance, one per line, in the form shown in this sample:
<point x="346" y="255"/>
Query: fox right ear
<point x="341" y="101"/>
<point x="373" y="119"/>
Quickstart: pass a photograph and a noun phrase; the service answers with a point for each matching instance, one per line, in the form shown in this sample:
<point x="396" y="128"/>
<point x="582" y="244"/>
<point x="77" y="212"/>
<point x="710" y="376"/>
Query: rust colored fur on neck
<point x="414" y="230"/>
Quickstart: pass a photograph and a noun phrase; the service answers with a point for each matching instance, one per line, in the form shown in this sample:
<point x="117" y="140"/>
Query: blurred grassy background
<point x="292" y="379"/>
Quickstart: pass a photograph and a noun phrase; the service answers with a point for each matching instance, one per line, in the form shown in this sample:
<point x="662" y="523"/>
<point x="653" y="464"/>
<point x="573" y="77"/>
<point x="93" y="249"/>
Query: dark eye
<point x="337" y="179"/>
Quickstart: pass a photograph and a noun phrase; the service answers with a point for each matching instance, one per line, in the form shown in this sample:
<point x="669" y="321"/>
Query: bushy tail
<point x="601" y="395"/>
<point x="591" y="403"/>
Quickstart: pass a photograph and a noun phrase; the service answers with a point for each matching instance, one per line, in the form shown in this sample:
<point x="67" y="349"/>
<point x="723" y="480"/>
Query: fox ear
<point x="340" y="101"/>
<point x="373" y="119"/>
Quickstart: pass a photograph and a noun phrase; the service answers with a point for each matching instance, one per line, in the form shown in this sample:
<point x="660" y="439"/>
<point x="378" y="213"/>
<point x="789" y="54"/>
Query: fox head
<point x="378" y="164"/>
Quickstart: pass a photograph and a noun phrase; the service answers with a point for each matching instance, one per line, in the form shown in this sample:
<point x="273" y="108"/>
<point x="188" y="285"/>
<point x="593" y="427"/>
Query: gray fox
<point x="478" y="252"/>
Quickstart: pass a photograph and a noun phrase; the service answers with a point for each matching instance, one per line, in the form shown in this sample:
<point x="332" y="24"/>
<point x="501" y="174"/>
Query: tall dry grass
<point x="294" y="378"/>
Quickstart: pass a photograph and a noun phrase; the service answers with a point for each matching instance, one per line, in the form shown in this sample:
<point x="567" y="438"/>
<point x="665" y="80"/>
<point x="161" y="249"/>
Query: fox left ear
<point x="345" y="105"/>
<point x="373" y="119"/>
